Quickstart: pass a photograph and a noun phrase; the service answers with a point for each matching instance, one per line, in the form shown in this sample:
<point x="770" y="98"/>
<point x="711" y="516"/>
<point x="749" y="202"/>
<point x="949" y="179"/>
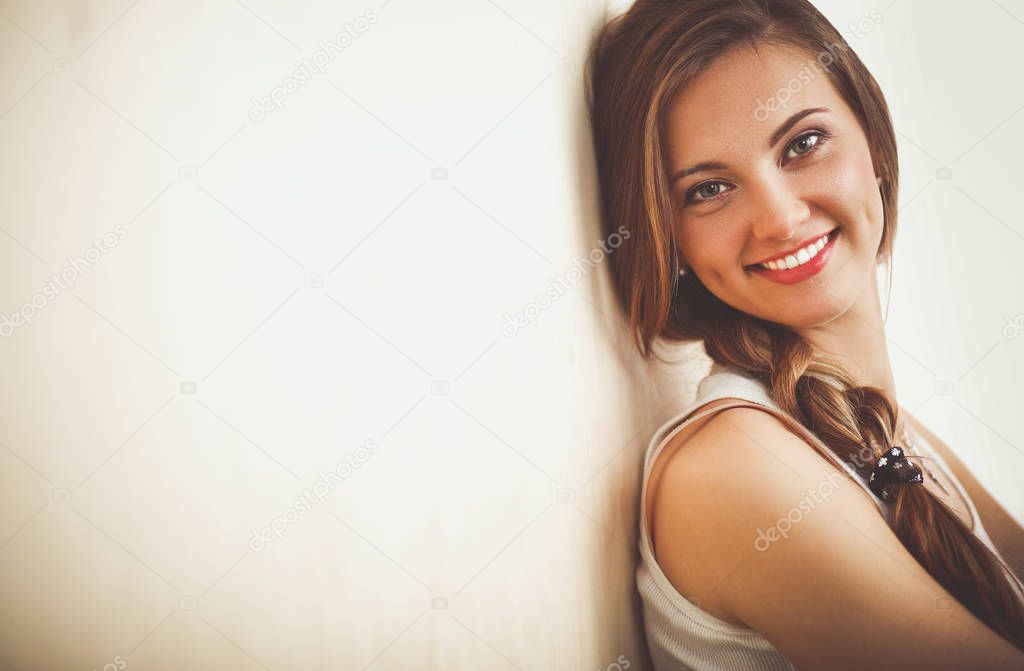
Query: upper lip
<point x="793" y="251"/>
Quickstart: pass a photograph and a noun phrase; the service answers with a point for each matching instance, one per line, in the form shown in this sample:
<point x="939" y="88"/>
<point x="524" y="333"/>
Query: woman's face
<point x="779" y="178"/>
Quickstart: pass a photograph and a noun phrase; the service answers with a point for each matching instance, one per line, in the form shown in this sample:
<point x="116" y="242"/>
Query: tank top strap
<point x="721" y="383"/>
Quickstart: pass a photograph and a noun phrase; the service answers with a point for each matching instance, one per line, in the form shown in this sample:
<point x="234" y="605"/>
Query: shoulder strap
<point x="790" y="422"/>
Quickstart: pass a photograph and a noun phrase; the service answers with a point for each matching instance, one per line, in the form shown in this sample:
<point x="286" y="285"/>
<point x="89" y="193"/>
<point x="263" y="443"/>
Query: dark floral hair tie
<point x="892" y="468"/>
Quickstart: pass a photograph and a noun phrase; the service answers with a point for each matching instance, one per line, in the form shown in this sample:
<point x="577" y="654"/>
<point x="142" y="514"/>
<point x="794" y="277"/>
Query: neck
<point x="856" y="338"/>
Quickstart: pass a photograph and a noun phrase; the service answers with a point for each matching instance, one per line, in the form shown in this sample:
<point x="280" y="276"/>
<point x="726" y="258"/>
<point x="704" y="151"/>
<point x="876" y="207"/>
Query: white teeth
<point x="801" y="257"/>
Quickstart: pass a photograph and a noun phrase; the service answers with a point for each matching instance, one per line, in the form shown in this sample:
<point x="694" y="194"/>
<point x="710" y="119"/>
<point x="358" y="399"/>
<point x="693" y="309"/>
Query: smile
<point x="797" y="266"/>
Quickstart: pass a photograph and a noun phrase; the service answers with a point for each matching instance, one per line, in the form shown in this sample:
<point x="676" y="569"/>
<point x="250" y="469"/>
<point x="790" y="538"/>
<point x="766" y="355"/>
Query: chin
<point x="811" y="304"/>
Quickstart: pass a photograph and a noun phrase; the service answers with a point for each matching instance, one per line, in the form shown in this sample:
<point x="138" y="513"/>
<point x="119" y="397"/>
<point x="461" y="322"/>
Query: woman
<point x="795" y="514"/>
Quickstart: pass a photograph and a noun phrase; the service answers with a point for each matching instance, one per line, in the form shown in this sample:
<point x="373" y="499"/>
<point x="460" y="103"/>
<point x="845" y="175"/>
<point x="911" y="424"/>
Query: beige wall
<point x="312" y="297"/>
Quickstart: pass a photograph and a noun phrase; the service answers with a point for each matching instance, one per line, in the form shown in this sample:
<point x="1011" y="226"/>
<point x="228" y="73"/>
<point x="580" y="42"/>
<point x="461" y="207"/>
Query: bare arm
<point x="1005" y="531"/>
<point x="835" y="589"/>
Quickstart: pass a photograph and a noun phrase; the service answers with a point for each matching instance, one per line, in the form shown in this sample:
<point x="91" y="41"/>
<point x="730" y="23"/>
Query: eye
<point x="706" y="191"/>
<point x="804" y="145"/>
<point x="807" y="143"/>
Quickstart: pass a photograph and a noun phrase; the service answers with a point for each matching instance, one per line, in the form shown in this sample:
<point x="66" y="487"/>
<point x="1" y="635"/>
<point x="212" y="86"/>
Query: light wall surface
<point x="267" y="401"/>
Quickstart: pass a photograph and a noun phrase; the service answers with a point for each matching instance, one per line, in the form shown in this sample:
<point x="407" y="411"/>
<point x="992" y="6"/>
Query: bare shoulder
<point x="724" y="488"/>
<point x="760" y="530"/>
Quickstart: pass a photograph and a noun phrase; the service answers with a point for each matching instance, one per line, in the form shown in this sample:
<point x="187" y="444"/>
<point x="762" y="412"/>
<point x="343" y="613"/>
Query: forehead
<point x="745" y="95"/>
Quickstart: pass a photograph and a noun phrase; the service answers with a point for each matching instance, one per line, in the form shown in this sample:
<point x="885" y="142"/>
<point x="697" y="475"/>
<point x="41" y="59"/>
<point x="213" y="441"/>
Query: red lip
<point x="802" y="272"/>
<point x="792" y="251"/>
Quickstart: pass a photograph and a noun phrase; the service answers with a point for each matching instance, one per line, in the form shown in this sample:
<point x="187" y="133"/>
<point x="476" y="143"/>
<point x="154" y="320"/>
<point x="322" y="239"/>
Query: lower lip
<point x="801" y="273"/>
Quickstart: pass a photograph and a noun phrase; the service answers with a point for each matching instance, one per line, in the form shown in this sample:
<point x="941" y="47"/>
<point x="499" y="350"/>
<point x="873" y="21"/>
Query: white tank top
<point x="679" y="634"/>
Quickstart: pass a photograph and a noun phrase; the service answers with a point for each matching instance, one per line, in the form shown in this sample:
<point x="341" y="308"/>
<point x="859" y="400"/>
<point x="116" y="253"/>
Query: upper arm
<point x="832" y="586"/>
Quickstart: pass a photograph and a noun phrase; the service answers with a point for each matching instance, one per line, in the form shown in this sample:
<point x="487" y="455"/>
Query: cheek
<point x="707" y="243"/>
<point x="848" y="190"/>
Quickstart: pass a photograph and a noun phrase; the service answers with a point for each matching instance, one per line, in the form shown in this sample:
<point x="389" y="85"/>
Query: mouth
<point x="806" y="262"/>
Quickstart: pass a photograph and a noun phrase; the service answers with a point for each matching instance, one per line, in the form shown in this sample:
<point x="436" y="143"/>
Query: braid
<point x="858" y="423"/>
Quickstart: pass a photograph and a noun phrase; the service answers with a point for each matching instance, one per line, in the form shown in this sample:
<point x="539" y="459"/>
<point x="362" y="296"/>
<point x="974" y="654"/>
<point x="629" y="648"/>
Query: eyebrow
<point x="776" y="136"/>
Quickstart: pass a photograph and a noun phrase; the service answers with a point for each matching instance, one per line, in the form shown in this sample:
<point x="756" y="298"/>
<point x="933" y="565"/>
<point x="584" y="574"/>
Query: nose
<point x="778" y="210"/>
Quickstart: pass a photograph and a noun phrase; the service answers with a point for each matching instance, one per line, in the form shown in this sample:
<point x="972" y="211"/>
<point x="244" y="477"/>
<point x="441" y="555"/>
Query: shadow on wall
<point x="655" y="392"/>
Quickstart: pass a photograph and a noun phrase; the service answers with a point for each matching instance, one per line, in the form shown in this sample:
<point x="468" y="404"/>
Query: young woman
<point x="795" y="514"/>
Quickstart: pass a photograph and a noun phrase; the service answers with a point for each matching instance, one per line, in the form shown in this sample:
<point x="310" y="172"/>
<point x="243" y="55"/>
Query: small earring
<point x="682" y="271"/>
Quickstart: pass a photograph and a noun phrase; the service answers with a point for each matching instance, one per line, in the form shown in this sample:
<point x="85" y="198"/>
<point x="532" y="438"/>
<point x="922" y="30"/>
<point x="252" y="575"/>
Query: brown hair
<point x="638" y="62"/>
